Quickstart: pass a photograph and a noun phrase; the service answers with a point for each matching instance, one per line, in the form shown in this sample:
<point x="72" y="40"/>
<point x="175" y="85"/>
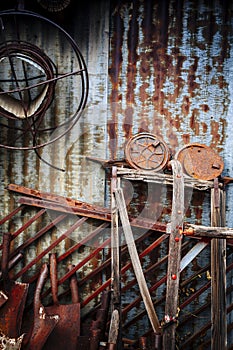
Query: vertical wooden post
<point x="115" y="254"/>
<point x="218" y="272"/>
<point x="173" y="270"/>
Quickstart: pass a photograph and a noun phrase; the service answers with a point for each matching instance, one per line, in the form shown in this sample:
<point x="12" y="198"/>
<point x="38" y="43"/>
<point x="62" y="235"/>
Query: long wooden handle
<point x="136" y="261"/>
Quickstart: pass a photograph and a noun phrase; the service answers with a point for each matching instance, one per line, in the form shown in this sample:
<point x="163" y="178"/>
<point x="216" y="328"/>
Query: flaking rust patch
<point x="3" y="295"/>
<point x="7" y="343"/>
<point x="43" y="315"/>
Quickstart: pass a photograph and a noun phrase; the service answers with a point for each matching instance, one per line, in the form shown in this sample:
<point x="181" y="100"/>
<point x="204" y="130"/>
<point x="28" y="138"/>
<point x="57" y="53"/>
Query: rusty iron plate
<point x="200" y="161"/>
<point x="145" y="151"/>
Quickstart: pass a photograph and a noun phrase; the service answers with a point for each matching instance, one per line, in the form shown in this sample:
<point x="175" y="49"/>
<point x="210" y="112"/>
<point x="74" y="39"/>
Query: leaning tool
<point x="65" y="334"/>
<point x="11" y="313"/>
<point x="43" y="324"/>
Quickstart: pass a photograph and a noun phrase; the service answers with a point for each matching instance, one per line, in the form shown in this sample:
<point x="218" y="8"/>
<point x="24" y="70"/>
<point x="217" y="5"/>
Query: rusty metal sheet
<point x="200" y="161"/>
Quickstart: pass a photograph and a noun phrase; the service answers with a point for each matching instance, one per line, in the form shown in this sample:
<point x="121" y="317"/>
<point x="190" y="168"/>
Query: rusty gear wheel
<point x="200" y="161"/>
<point x="145" y="151"/>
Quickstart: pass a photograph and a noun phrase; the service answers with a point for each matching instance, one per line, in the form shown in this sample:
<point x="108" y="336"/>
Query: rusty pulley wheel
<point x="200" y="161"/>
<point x="145" y="151"/>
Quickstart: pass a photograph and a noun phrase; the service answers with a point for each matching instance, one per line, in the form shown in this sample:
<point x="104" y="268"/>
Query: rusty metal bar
<point x="85" y="208"/>
<point x="123" y="270"/>
<point x="157" y="302"/>
<point x="201" y="331"/>
<point x="101" y="214"/>
<point x="26" y="225"/>
<point x="92" y="211"/>
<point x="9" y="216"/>
<point x="74" y="248"/>
<point x="38" y="235"/>
<point x="49" y="248"/>
<point x="46" y="196"/>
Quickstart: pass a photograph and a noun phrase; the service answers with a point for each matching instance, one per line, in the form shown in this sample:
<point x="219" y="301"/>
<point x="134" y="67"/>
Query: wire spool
<point x="148" y="152"/>
<point x="200" y="161"/>
<point x="34" y="81"/>
<point x="54" y="5"/>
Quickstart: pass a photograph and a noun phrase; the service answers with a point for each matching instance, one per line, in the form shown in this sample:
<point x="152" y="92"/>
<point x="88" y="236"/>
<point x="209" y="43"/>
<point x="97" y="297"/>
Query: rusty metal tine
<point x="73" y="286"/>
<point x="53" y="277"/>
<point x="149" y="269"/>
<point x="26" y="225"/>
<point x="9" y="216"/>
<point x="49" y="248"/>
<point x="108" y="282"/>
<point x="38" y="235"/>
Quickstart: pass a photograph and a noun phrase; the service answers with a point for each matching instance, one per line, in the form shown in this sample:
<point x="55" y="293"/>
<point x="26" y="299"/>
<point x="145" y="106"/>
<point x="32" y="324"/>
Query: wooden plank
<point x="115" y="257"/>
<point x="174" y="257"/>
<point x="136" y="261"/>
<point x="218" y="273"/>
<point x="164" y="179"/>
<point x="208" y="231"/>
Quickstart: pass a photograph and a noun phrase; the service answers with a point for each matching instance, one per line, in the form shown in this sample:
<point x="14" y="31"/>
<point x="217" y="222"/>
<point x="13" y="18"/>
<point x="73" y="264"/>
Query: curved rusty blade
<point x="43" y="324"/>
<point x="11" y="313"/>
<point x="66" y="333"/>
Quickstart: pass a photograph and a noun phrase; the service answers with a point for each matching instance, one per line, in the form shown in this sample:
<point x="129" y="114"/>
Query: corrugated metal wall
<point x="170" y="71"/>
<point x="158" y="66"/>
<point x="167" y="70"/>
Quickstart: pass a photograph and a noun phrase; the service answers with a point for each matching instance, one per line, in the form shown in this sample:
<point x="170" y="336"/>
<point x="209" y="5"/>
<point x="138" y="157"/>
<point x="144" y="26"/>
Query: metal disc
<point x="200" y="161"/>
<point x="145" y="151"/>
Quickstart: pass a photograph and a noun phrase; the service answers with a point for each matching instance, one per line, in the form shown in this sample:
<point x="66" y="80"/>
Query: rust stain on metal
<point x="145" y="151"/>
<point x="200" y="161"/>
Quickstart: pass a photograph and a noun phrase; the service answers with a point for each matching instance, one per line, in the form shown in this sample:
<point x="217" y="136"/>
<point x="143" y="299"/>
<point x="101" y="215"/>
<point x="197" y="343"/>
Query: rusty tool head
<point x="11" y="313"/>
<point x="65" y="335"/>
<point x="43" y="324"/>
